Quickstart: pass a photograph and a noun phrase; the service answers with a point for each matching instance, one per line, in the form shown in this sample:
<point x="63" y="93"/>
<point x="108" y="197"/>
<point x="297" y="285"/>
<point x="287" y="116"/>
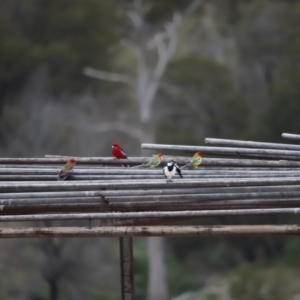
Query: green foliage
<point x="162" y="10"/>
<point x="177" y="279"/>
<point x="176" y="270"/>
<point x="253" y="282"/>
<point x="140" y="270"/>
<point x="212" y="296"/>
<point x="290" y="256"/>
<point x="206" y="96"/>
<point x="61" y="36"/>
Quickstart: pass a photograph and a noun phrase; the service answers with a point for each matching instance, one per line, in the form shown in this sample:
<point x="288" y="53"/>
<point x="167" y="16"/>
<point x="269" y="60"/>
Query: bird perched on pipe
<point x="117" y="151"/>
<point x="170" y="170"/>
<point x="195" y="161"/>
<point x="152" y="163"/>
<point x="66" y="170"/>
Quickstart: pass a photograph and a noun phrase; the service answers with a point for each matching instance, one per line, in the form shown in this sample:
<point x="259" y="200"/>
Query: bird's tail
<point x="125" y="166"/>
<point x="179" y="172"/>
<point x="184" y="167"/>
<point x="139" y="166"/>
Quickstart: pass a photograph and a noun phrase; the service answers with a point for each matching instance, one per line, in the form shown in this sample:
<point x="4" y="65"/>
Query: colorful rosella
<point x="195" y="162"/>
<point x="170" y="170"/>
<point x="117" y="151"/>
<point x="152" y="163"/>
<point x="66" y="170"/>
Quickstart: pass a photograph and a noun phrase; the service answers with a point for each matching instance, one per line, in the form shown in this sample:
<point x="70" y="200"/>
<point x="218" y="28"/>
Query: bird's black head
<point x="171" y="163"/>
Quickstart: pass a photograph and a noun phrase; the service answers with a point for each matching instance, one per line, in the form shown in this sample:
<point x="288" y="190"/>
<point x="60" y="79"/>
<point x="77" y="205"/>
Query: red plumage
<point x="117" y="151"/>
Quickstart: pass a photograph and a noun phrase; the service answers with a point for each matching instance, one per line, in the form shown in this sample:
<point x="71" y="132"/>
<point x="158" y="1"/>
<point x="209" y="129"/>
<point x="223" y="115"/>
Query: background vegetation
<point x="235" y="74"/>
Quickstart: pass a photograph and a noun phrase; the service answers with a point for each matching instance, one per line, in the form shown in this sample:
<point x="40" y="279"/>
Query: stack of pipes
<point x="234" y="178"/>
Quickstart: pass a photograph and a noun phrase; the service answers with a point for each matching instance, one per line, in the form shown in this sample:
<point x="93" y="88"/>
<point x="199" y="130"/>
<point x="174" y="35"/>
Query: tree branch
<point x="103" y="75"/>
<point x="188" y="11"/>
<point x="192" y="7"/>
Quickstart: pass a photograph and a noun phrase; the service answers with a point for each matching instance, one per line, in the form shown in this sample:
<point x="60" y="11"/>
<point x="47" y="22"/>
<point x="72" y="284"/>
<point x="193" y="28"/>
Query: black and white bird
<point x="170" y="170"/>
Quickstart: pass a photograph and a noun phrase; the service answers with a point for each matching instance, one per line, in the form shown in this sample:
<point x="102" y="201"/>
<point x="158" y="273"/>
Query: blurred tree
<point x="252" y="282"/>
<point x="284" y="105"/>
<point x="61" y="36"/>
<point x="204" y="102"/>
<point x="150" y="70"/>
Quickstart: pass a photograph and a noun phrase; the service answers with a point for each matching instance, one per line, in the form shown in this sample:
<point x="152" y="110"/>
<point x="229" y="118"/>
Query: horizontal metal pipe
<point x="153" y="184"/>
<point x="101" y="161"/>
<point x="149" y="221"/>
<point x="147" y="206"/>
<point x="264" y="153"/>
<point x="210" y="165"/>
<point x="50" y="208"/>
<point x="250" y="144"/>
<point x="204" y="197"/>
<point x="128" y="215"/>
<point x="84" y="160"/>
<point x="219" y="204"/>
<point x="119" y="231"/>
<point x="37" y="197"/>
<point x="31" y="201"/>
<point x="156" y="201"/>
<point x="291" y="136"/>
<point x="156" y="198"/>
<point x="141" y="172"/>
<point x="5" y="178"/>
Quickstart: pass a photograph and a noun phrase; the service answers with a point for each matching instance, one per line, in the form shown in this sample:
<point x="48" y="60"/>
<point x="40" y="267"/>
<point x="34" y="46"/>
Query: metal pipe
<point x="250" y="144"/>
<point x="189" y="204"/>
<point x="125" y="231"/>
<point x="126" y="173"/>
<point x="155" y="197"/>
<point x="139" y="172"/>
<point x="207" y="163"/>
<point x="153" y="184"/>
<point x="140" y="192"/>
<point x="263" y="153"/>
<point x="128" y="215"/>
<point x="54" y="169"/>
<point x="126" y="267"/>
<point x="83" y="160"/>
<point x="114" y="171"/>
<point x="139" y="160"/>
<point x="291" y="136"/>
<point x="6" y="178"/>
<point x="149" y="206"/>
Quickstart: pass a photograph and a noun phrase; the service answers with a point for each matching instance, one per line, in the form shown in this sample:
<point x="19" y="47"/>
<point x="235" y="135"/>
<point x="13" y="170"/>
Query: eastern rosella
<point x="152" y="163"/>
<point x="194" y="162"/>
<point x="170" y="170"/>
<point x="117" y="151"/>
<point x="66" y="170"/>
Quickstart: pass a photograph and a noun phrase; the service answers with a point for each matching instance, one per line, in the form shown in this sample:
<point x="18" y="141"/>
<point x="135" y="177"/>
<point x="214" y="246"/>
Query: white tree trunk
<point x="146" y="85"/>
<point x="157" y="282"/>
<point x="157" y="272"/>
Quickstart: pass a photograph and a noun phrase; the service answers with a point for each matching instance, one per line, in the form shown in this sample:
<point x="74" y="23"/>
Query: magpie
<point x="170" y="170"/>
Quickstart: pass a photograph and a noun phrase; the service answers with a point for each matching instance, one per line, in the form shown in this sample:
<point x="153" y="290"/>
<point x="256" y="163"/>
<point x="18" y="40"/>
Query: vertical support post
<point x="126" y="261"/>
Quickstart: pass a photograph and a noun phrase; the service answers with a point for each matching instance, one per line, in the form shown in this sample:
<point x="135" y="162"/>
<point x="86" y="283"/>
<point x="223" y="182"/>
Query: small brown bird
<point x="67" y="170"/>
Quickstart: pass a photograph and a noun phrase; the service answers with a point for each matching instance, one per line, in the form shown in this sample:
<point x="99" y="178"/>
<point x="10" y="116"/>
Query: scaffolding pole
<point x="139" y="231"/>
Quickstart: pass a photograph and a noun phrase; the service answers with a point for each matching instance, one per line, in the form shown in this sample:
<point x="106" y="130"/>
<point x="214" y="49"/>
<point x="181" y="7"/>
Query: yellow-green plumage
<point x="152" y="163"/>
<point x="195" y="161"/>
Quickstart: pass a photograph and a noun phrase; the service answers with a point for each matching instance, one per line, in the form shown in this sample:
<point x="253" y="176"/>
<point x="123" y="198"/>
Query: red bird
<point x="117" y="151"/>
